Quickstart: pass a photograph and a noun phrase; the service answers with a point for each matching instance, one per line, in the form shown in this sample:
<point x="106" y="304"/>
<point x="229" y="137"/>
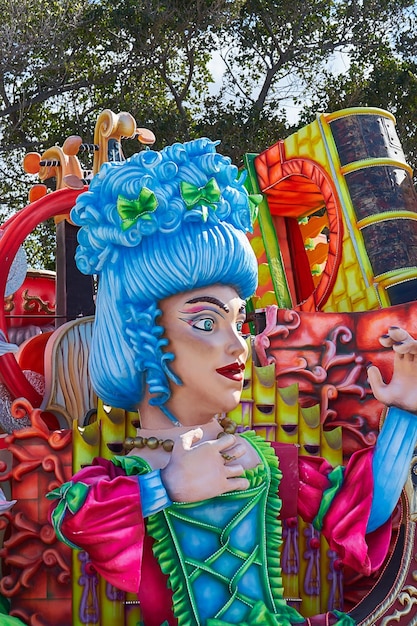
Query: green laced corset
<point x="222" y="555"/>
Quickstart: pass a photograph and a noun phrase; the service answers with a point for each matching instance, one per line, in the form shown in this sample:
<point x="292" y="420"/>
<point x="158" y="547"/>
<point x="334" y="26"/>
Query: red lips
<point x="232" y="371"/>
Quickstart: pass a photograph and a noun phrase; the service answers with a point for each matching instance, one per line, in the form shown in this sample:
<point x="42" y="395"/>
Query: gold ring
<point x="227" y="457"/>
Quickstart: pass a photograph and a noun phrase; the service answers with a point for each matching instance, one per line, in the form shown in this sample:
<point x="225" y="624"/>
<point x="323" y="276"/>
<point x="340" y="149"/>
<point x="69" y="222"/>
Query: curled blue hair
<point x="147" y="241"/>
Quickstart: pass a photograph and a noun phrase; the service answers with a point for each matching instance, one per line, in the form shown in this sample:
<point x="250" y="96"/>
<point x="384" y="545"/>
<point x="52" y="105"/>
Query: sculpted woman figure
<point x="189" y="519"/>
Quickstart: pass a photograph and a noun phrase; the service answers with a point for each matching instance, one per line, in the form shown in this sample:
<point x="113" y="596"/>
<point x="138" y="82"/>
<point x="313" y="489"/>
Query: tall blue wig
<point x="156" y="225"/>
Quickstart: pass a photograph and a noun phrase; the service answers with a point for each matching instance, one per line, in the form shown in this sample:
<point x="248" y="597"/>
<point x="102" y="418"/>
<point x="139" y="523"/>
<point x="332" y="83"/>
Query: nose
<point x="237" y="345"/>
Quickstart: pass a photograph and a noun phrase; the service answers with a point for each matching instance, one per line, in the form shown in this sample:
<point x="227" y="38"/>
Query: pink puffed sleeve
<point x="109" y="525"/>
<point x="344" y="524"/>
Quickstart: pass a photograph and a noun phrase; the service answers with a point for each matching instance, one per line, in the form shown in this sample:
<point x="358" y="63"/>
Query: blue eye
<point x="239" y="327"/>
<point x="205" y="324"/>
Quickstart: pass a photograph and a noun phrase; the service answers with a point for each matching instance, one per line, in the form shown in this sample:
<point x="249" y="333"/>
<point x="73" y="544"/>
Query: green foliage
<point x="388" y="78"/>
<point x="64" y="61"/>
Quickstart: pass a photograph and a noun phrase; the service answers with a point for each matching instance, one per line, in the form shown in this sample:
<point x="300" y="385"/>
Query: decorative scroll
<point x="32" y="556"/>
<point x="89" y="605"/>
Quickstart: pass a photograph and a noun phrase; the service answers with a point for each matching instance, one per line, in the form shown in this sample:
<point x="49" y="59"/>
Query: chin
<point x="230" y="405"/>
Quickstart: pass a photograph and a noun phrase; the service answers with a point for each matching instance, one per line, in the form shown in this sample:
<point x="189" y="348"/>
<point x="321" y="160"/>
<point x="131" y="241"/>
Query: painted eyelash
<point x="193" y="320"/>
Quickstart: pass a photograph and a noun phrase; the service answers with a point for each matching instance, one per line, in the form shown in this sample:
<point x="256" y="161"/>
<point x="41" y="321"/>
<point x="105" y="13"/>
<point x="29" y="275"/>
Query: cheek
<point x="190" y="353"/>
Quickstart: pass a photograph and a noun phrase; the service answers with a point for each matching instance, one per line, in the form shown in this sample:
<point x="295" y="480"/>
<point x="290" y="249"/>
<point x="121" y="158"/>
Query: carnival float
<point x="336" y="246"/>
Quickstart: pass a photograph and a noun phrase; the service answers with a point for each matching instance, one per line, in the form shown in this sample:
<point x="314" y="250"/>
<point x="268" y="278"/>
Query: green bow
<point x="205" y="196"/>
<point x="71" y="497"/>
<point x="131" y="210"/>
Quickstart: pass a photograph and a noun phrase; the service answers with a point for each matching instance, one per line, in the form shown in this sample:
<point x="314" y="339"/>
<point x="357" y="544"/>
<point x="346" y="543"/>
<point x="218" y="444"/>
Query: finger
<point x="224" y="443"/>
<point x="400" y="340"/>
<point x="395" y="335"/>
<point x="234" y="471"/>
<point x="233" y="453"/>
<point x="398" y="334"/>
<point x="228" y="458"/>
<point x="405" y="347"/>
<point x="376" y="381"/>
<point x="191" y="437"/>
<point x="386" y="341"/>
<point x="235" y="484"/>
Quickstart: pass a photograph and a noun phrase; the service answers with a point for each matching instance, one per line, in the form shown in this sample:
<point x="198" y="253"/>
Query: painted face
<point x="204" y="329"/>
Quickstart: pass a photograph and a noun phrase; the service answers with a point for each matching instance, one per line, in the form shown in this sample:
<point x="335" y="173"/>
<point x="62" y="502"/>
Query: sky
<point x="338" y="64"/>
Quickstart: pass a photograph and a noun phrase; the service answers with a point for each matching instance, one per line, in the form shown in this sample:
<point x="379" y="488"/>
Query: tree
<point x="63" y="62"/>
<point x="388" y="80"/>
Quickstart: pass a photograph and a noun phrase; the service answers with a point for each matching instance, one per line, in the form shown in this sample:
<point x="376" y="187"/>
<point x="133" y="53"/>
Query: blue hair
<point x="167" y="246"/>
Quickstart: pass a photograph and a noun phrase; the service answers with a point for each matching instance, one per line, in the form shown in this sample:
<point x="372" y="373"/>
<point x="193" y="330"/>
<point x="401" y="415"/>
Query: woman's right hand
<point x="197" y="471"/>
<point x="401" y="391"/>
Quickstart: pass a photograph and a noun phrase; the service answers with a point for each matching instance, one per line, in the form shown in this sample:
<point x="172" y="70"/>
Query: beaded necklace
<point x="228" y="425"/>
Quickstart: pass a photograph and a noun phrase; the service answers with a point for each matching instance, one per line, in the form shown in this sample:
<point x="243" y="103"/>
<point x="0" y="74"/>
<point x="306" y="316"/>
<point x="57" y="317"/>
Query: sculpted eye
<point x="205" y="324"/>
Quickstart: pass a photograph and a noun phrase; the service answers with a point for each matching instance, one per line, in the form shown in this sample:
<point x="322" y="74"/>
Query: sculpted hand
<point x="401" y="391"/>
<point x="197" y="471"/>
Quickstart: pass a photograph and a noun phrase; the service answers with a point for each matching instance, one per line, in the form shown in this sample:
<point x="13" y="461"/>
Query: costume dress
<point x="215" y="562"/>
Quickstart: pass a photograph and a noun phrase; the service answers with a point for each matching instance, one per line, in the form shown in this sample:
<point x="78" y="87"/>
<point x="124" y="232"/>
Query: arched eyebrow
<point x="216" y="301"/>
<point x="210" y="300"/>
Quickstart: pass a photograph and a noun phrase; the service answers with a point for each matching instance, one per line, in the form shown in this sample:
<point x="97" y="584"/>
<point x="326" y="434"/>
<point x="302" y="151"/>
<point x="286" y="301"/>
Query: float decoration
<point x="309" y="373"/>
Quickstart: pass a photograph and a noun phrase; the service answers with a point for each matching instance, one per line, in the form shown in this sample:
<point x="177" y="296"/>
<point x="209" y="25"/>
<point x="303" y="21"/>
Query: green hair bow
<point x="131" y="210"/>
<point x="206" y="196"/>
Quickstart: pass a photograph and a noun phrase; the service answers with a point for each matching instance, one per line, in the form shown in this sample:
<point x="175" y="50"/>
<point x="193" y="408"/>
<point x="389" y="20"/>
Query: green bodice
<point x="222" y="555"/>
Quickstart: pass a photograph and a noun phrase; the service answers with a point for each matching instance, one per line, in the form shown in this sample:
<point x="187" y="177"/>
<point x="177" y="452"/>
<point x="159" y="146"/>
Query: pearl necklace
<point x="228" y="425"/>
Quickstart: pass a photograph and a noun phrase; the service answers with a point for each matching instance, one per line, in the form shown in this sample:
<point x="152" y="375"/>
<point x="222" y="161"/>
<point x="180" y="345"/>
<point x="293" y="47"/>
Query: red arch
<point x="294" y="188"/>
<point x="15" y="231"/>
